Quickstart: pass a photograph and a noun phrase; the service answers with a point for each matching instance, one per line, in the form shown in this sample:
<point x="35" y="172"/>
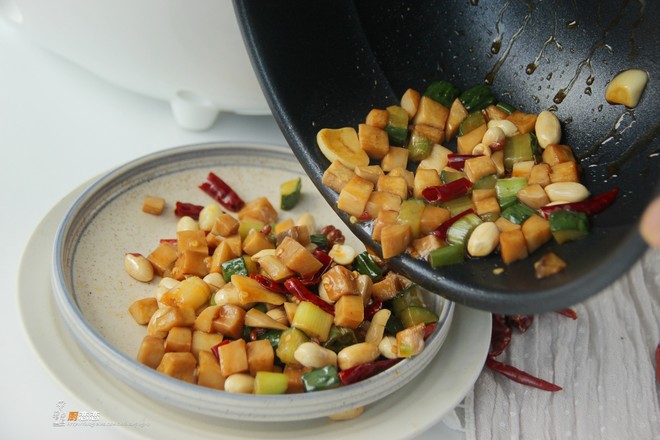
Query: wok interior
<point x="331" y="62"/>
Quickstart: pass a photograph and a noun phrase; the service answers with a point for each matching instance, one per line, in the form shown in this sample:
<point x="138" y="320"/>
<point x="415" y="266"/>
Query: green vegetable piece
<point x="517" y="213"/>
<point x="472" y="121"/>
<point x="568" y="225"/>
<point x="477" y="98"/>
<point x="365" y="264"/>
<point x="443" y="92"/>
<point x="506" y="108"/>
<point x="415" y="315"/>
<point x="246" y="225"/>
<point x="450" y="176"/>
<point x="506" y="190"/>
<point x="290" y="340"/>
<point x="486" y="182"/>
<point x="458" y="205"/>
<point x="290" y="194"/>
<point x="272" y="336"/>
<point x="234" y="267"/>
<point x="447" y="255"/>
<point x="520" y="148"/>
<point x="340" y="337"/>
<point x="408" y="297"/>
<point x="459" y="232"/>
<point x="320" y="240"/>
<point x="393" y="325"/>
<point x="419" y="147"/>
<point x="397" y="125"/>
<point x="324" y="378"/>
<point x="411" y="213"/>
<point x="269" y="382"/>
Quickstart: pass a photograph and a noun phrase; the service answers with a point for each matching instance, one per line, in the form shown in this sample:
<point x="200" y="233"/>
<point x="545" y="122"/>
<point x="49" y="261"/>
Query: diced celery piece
<point x="450" y="176"/>
<point x="290" y="340"/>
<point x="419" y="147"/>
<point x="446" y="255"/>
<point x="269" y="382"/>
<point x="458" y="205"/>
<point x="411" y="213"/>
<point x="459" y="232"/>
<point x="312" y="320"/>
<point x="519" y="148"/>
<point x="517" y="213"/>
<point x="509" y="187"/>
<point x="472" y="121"/>
<point x="486" y="182"/>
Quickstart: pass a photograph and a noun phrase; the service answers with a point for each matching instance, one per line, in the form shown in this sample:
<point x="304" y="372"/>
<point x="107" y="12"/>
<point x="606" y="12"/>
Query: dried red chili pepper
<point x="172" y="241"/>
<point x="326" y="260"/>
<point x="214" y="349"/>
<point x="187" y="209"/>
<point x="568" y="312"/>
<point x="374" y="306"/>
<point x="268" y="283"/>
<point x="521" y="322"/>
<point x="520" y="376"/>
<point x="429" y="329"/>
<point x="448" y="191"/>
<point x="500" y="335"/>
<point x="441" y="231"/>
<point x="222" y="193"/>
<point x="457" y="161"/>
<point x="590" y="206"/>
<point x="365" y="370"/>
<point x="364" y="216"/>
<point x="295" y="287"/>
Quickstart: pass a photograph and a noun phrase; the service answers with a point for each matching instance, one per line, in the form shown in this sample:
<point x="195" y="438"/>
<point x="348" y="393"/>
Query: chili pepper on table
<point x="222" y="193"/>
<point x="590" y="206"/>
<point x="448" y="191"/>
<point x="520" y="376"/>
<point x="521" y="322"/>
<point x="298" y="289"/>
<point x="187" y="209"/>
<point x="365" y="370"/>
<point x="500" y="336"/>
<point x="568" y="312"/>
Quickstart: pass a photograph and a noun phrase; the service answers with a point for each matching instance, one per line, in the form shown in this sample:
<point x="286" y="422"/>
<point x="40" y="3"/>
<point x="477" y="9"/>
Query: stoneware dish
<point x="326" y="64"/>
<point x="92" y="292"/>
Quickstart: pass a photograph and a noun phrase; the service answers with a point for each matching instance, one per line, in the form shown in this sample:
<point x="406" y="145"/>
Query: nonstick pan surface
<point x="327" y="63"/>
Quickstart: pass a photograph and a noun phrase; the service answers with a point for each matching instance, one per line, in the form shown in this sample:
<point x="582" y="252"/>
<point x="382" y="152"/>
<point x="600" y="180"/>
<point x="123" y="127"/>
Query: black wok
<point x="327" y="63"/>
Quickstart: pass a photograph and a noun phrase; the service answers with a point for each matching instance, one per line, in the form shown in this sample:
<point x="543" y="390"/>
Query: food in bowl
<point x="248" y="302"/>
<point x="507" y="186"/>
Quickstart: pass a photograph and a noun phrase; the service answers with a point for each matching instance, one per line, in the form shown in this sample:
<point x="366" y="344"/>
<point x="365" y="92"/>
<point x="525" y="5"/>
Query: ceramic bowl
<point x="92" y="291"/>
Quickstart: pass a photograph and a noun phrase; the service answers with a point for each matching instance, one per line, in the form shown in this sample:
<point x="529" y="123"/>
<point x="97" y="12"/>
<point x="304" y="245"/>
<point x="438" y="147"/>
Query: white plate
<point x="404" y="414"/>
